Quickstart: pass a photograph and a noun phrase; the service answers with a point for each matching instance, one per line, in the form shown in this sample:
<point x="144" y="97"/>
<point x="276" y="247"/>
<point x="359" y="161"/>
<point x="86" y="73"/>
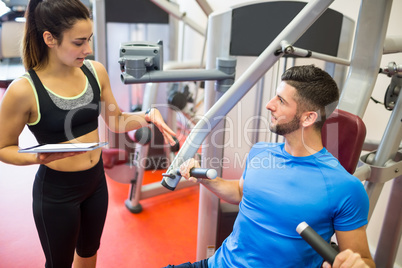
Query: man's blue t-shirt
<point x="279" y="192"/>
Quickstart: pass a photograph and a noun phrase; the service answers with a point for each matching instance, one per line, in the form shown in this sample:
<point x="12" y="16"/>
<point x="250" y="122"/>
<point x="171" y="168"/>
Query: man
<point x="286" y="183"/>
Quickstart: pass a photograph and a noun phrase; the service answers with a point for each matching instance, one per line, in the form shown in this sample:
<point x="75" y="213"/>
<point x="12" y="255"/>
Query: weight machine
<point x="124" y="160"/>
<point x="369" y="45"/>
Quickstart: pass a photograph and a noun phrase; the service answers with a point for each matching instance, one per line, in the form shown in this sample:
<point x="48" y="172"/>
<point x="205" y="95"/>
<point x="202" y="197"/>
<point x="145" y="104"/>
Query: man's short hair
<point x="316" y="91"/>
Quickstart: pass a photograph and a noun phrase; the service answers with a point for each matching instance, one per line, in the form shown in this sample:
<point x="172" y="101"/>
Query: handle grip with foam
<point x="202" y="173"/>
<point x="170" y="180"/>
<point x="317" y="242"/>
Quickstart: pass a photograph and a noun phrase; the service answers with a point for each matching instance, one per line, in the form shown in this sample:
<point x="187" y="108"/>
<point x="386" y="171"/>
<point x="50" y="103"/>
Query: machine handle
<point x="317" y="242"/>
<point x="170" y="180"/>
<point x="202" y="173"/>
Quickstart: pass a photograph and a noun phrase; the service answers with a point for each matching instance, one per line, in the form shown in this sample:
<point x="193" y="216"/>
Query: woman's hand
<point x="155" y="117"/>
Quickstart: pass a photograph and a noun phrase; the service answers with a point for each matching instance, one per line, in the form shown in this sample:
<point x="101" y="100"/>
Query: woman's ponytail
<point x="31" y="47"/>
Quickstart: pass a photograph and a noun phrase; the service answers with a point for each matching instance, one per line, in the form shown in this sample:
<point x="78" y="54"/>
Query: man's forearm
<point x="227" y="190"/>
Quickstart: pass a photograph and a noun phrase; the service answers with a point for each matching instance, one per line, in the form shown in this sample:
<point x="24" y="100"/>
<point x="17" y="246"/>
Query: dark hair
<point x="316" y="91"/>
<point x="55" y="16"/>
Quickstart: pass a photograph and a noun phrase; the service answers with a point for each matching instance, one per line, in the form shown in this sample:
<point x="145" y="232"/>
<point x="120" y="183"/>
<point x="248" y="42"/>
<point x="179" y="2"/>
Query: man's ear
<point x="50" y="41"/>
<point x="309" y="118"/>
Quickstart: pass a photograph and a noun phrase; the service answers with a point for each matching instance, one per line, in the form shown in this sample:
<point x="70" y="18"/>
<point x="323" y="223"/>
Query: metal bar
<point x="258" y="108"/>
<point x="311" y="54"/>
<point x="393" y="44"/>
<point x="363" y="71"/>
<point x="391" y="230"/>
<point x="217" y="46"/>
<point x="173" y="9"/>
<point x="133" y="202"/>
<point x="100" y="31"/>
<point x="366" y="55"/>
<point x="204" y="5"/>
<point x="153" y="189"/>
<point x="176" y="76"/>
<point x="362" y="172"/>
<point x="387" y="149"/>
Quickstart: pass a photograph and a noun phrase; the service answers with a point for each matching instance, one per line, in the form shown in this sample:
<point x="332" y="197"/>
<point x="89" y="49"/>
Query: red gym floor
<point x="165" y="232"/>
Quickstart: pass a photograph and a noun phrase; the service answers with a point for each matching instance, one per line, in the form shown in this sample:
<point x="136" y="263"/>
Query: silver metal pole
<point x="173" y="9"/>
<point x="391" y="230"/>
<point x="311" y="54"/>
<point x="366" y="55"/>
<point x="387" y="150"/>
<point x="99" y="18"/>
<point x="204" y="5"/>
<point x="133" y="201"/>
<point x="258" y="108"/>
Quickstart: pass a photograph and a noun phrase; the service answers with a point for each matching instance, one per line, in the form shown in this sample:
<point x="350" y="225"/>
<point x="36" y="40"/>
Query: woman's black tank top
<point x="60" y="124"/>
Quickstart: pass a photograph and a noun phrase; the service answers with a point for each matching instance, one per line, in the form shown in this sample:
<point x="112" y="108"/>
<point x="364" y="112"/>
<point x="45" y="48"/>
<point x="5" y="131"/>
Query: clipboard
<point x="63" y="147"/>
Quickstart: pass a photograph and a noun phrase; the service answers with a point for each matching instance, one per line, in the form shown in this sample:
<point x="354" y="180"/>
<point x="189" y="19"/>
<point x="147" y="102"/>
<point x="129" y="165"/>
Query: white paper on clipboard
<point x="63" y="147"/>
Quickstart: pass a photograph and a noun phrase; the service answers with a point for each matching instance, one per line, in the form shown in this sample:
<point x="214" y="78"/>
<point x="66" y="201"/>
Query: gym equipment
<point x="133" y="21"/>
<point x="174" y="10"/>
<point x="366" y="55"/>
<point x="368" y="48"/>
<point x="201" y="173"/>
<point x="220" y="106"/>
<point x="130" y="155"/>
<point x="143" y="63"/>
<point x="127" y="159"/>
<point x="149" y="60"/>
<point x="317" y="242"/>
<point x="118" y="160"/>
<point x="346" y="148"/>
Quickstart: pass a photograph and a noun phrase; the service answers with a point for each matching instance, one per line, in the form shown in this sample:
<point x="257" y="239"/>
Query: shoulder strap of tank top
<point x="87" y="72"/>
<point x="35" y="79"/>
<point x="91" y="79"/>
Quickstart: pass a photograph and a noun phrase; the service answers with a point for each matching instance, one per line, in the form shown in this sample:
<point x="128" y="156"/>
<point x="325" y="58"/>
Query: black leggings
<point x="69" y="210"/>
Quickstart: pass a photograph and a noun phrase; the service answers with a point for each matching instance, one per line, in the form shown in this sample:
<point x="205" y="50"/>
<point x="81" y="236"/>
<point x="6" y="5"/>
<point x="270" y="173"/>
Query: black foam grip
<point x="202" y="173"/>
<point x="317" y="242"/>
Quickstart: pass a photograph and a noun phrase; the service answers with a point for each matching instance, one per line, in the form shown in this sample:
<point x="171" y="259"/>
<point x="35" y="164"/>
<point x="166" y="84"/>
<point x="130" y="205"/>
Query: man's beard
<point x="286" y="128"/>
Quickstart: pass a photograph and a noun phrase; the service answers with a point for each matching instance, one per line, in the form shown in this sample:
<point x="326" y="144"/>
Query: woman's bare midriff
<point x="82" y="161"/>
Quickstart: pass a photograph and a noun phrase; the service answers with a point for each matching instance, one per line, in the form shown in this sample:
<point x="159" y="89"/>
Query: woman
<point x="60" y="99"/>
